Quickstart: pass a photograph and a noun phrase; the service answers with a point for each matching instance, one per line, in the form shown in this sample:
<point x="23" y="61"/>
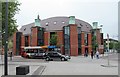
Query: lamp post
<point x="108" y="48"/>
<point x="6" y="40"/>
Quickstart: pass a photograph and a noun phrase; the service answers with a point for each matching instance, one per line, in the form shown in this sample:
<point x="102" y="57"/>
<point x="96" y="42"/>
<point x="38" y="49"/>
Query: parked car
<point x="53" y="55"/>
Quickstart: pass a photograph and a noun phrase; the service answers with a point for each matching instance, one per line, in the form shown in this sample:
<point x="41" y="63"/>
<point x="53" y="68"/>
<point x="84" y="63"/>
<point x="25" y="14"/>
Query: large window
<point x="79" y="40"/>
<point x="40" y="36"/>
<point x="79" y="37"/>
<point x="86" y="38"/>
<point x="18" y="42"/>
<point x="67" y="39"/>
<point x="101" y="38"/>
<point x="53" y="38"/>
<point x="26" y="40"/>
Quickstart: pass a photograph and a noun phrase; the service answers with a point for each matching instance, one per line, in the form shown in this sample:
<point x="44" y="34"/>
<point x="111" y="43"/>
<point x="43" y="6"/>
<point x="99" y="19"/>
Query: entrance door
<point x="79" y="51"/>
<point x="86" y="51"/>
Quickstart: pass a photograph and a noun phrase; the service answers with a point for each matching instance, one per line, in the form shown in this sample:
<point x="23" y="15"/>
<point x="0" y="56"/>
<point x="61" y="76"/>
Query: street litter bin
<point x="22" y="70"/>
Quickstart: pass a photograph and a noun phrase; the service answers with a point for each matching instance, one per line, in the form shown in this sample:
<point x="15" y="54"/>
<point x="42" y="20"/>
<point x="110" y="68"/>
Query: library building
<point x="69" y="35"/>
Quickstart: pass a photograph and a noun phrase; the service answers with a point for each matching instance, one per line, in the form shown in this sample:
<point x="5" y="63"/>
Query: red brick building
<point x="74" y="36"/>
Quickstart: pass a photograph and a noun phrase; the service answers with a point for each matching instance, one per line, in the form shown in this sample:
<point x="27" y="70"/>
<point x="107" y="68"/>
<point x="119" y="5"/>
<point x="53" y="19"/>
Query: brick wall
<point x="34" y="36"/>
<point x="60" y="40"/>
<point x="98" y="36"/>
<point x="29" y="40"/>
<point x="22" y="40"/>
<point x="89" y="42"/>
<point x="82" y="43"/>
<point x="14" y="43"/>
<point x="46" y="38"/>
<point x="73" y="40"/>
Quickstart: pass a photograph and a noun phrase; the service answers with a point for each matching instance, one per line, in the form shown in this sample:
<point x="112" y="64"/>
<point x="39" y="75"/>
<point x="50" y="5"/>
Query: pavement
<point x="79" y="65"/>
<point x="35" y="65"/>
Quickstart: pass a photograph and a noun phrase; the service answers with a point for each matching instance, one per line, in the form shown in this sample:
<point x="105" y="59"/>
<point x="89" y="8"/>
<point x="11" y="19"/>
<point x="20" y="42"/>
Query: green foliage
<point x="12" y="10"/>
<point x="10" y="44"/>
<point x="53" y="40"/>
<point x="94" y="43"/>
<point x="117" y="46"/>
<point x="111" y="44"/>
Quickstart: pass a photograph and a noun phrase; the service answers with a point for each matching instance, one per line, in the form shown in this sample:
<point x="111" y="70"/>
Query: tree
<point x="53" y="40"/>
<point x="10" y="44"/>
<point x="12" y="10"/>
<point x="94" y="43"/>
<point x="111" y="45"/>
<point x="117" y="46"/>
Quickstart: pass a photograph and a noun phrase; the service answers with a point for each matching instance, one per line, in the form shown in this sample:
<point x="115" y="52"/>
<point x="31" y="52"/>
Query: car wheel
<point x="47" y="59"/>
<point x="62" y="59"/>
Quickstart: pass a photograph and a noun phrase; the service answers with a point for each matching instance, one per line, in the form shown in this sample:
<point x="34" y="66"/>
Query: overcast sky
<point x="105" y="12"/>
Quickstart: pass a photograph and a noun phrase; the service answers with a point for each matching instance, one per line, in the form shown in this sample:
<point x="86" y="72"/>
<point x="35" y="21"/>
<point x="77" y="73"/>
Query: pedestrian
<point x="11" y="55"/>
<point x="86" y="53"/>
<point x="92" y="54"/>
<point x="97" y="54"/>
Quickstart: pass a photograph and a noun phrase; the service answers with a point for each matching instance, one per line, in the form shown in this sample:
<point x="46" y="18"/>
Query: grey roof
<point x="56" y="23"/>
<point x="111" y="39"/>
<point x="26" y="29"/>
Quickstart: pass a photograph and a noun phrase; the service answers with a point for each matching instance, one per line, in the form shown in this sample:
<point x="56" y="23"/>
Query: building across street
<point x="74" y="36"/>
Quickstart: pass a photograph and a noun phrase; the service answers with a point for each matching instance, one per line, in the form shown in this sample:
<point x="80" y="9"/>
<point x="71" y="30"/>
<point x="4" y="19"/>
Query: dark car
<point x="53" y="55"/>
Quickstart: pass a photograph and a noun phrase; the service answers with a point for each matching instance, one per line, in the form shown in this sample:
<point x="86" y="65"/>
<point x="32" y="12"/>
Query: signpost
<point x="108" y="48"/>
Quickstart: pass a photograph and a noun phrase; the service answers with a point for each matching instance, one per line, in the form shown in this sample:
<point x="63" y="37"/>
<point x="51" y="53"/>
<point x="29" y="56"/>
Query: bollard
<point x="22" y="70"/>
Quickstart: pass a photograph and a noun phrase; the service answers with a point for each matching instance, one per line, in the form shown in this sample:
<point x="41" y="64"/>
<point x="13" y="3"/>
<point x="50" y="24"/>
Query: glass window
<point x="63" y="22"/>
<point x="46" y="23"/>
<point x="55" y="22"/>
<point x="67" y="30"/>
<point x="24" y="29"/>
<point x="67" y="39"/>
<point x="81" y="25"/>
<point x="40" y="37"/>
<point x="79" y="30"/>
<point x="86" y="39"/>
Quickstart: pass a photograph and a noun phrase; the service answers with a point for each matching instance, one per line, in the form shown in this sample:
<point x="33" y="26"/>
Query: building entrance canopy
<point x="48" y="46"/>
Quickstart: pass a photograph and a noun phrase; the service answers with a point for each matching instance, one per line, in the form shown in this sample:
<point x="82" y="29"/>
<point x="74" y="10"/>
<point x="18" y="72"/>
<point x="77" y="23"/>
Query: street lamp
<point x="6" y="40"/>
